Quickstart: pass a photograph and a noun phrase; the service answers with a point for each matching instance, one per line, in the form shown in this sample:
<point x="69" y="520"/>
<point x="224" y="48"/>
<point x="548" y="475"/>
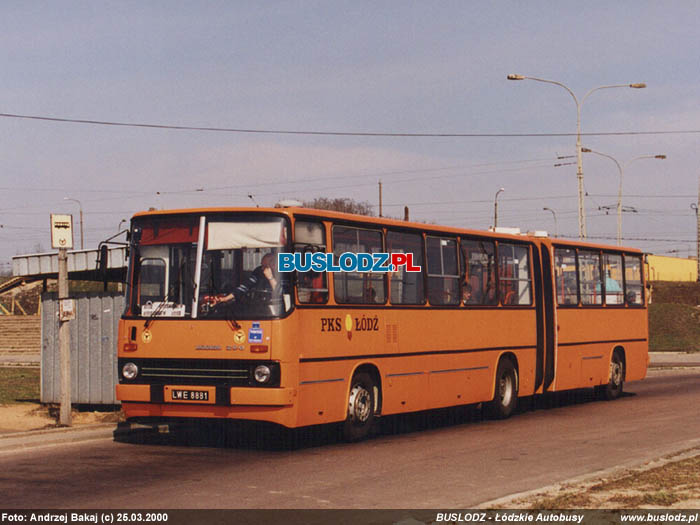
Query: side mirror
<point x="102" y="262"/>
<point x="135" y="235"/>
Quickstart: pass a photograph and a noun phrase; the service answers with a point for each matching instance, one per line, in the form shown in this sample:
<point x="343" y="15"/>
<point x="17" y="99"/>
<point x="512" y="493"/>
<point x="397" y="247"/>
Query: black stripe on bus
<point x="603" y="342"/>
<point x="459" y="369"/>
<point x="412" y="354"/>
<point x="321" y="381"/>
<point x="549" y="317"/>
<point x="540" y="319"/>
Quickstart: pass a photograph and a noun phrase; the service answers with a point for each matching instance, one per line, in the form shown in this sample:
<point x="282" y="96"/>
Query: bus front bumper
<point x="248" y="396"/>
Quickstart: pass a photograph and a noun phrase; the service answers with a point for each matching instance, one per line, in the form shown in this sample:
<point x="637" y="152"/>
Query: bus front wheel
<point x="362" y="403"/>
<point x="505" y="395"/>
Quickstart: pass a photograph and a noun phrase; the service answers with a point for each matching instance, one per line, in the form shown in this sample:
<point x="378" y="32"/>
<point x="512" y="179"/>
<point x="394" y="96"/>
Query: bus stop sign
<point x="61" y="231"/>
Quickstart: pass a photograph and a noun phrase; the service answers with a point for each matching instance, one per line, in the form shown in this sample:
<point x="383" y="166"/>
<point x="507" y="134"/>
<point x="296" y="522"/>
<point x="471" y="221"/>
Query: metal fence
<point x="93" y="341"/>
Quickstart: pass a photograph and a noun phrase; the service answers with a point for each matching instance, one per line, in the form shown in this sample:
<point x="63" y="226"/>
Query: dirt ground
<point x="671" y="482"/>
<point x="22" y="417"/>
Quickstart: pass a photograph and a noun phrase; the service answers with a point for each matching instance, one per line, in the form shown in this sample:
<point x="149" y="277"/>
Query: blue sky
<point x="395" y="67"/>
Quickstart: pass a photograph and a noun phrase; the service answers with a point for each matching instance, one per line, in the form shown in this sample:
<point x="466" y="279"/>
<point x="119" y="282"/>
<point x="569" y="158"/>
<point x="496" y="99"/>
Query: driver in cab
<point x="261" y="279"/>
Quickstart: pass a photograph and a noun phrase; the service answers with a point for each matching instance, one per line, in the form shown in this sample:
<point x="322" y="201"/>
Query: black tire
<point x="616" y="380"/>
<point x="362" y="403"/>
<point x="505" y="392"/>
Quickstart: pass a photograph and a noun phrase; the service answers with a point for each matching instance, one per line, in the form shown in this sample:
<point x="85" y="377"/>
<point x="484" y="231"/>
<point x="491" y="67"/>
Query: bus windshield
<point x="232" y="275"/>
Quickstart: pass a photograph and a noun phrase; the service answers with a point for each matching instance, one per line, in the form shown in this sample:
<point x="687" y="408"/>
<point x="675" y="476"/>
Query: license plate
<point x="189" y="395"/>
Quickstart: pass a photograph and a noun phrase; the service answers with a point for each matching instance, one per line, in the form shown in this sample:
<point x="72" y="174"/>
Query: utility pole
<point x="62" y="238"/>
<point x="380" y="199"/>
<point x="697" y="218"/>
<point x="64" y="339"/>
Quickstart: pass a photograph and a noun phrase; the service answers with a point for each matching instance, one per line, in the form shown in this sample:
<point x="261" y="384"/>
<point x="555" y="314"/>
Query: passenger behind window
<point x="613" y="290"/>
<point x="476" y="291"/>
<point x="311" y="288"/>
<point x="467" y="293"/>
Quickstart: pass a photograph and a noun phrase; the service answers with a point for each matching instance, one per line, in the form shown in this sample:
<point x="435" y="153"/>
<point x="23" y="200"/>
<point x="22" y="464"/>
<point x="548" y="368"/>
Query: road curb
<point x="55" y="436"/>
<point x="674" y="366"/>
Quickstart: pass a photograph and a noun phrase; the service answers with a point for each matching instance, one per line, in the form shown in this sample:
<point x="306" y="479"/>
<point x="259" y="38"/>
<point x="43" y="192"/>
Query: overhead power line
<point x="636" y="238"/>
<point x="335" y="133"/>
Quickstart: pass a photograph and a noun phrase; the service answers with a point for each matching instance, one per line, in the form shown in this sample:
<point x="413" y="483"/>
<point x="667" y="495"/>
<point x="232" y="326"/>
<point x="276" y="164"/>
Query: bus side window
<point x="514" y="274"/>
<point x="478" y="276"/>
<point x="312" y="287"/>
<point x="633" y="280"/>
<point x="357" y="287"/>
<point x="443" y="276"/>
<point x="565" y="276"/>
<point x="406" y="287"/>
<point x="612" y="262"/>
<point x="590" y="277"/>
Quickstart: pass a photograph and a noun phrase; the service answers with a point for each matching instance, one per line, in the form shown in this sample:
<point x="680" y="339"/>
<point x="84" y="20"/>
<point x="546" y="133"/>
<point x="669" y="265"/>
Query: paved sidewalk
<point x="55" y="436"/>
<point x="20" y="360"/>
<point x="674" y="359"/>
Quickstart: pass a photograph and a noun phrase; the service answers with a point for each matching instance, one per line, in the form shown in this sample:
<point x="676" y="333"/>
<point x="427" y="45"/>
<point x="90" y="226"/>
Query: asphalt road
<point x="450" y="459"/>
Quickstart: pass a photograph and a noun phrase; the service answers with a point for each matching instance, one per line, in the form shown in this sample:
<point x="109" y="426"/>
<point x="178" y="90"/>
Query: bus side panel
<point x="637" y="359"/>
<point x="405" y="388"/>
<point x="323" y="390"/>
<point x="587" y="338"/>
<point x="425" y="358"/>
<point x="455" y="381"/>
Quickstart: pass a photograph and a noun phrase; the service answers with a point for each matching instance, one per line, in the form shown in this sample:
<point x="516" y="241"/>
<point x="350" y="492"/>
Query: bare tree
<point x="344" y="205"/>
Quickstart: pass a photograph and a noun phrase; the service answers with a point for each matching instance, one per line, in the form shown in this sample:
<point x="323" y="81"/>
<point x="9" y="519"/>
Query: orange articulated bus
<point x="211" y="330"/>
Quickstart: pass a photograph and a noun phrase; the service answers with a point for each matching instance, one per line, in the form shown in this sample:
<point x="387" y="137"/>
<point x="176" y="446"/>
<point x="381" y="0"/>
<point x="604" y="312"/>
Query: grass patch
<point x="568" y="500"/>
<point x="674" y="327"/>
<point x="660" y="498"/>
<point x="19" y="384"/>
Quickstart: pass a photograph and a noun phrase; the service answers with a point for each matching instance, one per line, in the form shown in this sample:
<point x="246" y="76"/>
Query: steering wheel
<point x="258" y="295"/>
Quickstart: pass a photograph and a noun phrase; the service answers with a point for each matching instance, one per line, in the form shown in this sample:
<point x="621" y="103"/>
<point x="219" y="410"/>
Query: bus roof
<point x="381" y="221"/>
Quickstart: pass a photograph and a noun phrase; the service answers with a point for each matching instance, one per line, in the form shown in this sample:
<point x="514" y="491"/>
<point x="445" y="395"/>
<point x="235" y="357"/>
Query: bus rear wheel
<point x="505" y="395"/>
<point x="613" y="389"/>
<point x="362" y="403"/>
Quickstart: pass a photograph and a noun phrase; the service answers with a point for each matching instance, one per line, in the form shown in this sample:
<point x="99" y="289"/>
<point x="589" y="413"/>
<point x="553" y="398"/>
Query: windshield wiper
<point x="156" y="312"/>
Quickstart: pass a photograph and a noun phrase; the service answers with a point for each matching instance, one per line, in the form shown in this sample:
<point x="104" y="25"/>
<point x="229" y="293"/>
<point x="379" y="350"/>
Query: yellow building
<point x="661" y="268"/>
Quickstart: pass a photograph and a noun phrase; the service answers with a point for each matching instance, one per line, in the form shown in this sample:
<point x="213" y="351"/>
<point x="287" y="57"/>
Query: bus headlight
<point x="262" y="373"/>
<point x="130" y="371"/>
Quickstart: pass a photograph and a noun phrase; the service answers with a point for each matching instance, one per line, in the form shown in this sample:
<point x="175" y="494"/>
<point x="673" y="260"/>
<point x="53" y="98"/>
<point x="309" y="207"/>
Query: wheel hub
<point x="505" y="389"/>
<point x="615" y="373"/>
<point x="360" y="404"/>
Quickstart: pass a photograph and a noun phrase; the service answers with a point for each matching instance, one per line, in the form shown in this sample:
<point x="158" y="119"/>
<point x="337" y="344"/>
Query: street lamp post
<point x="495" y="208"/>
<point x="579" y="159"/>
<point x="621" y="169"/>
<point x="82" y="244"/>
<point x="556" y="230"/>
